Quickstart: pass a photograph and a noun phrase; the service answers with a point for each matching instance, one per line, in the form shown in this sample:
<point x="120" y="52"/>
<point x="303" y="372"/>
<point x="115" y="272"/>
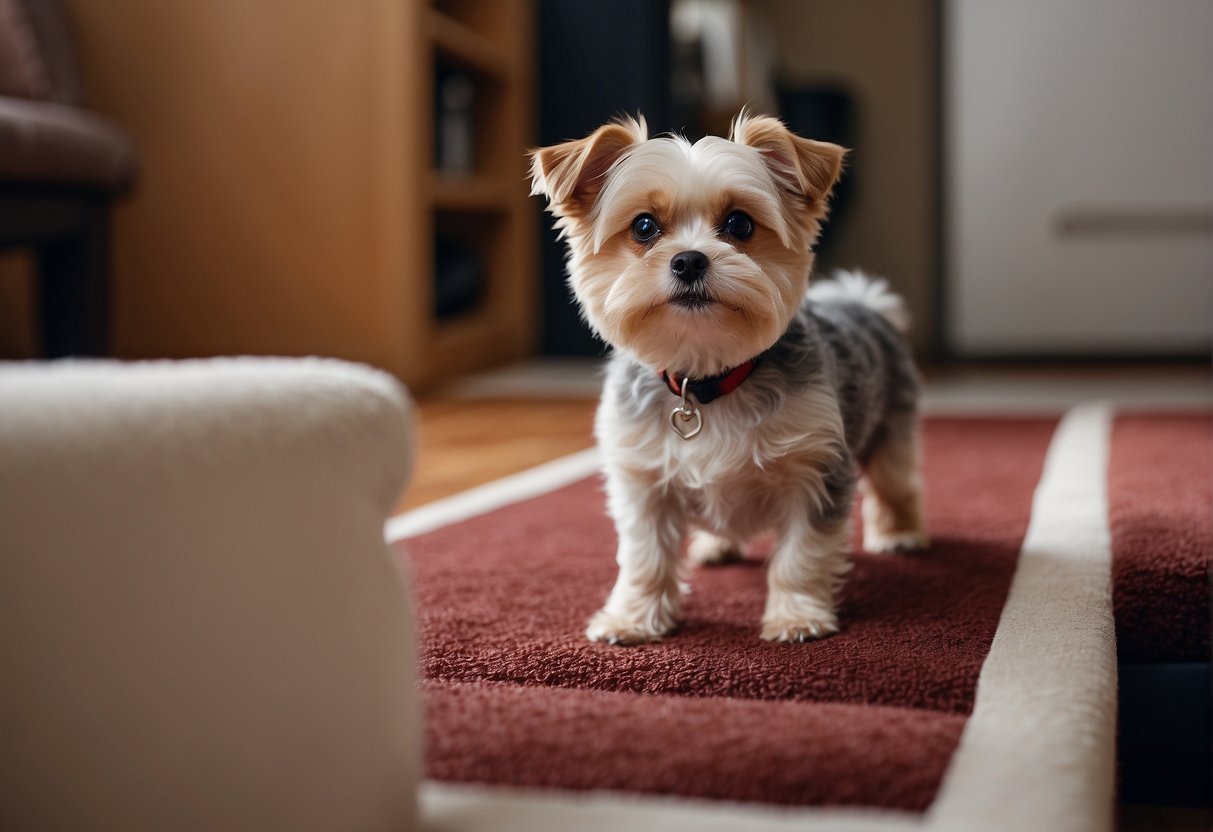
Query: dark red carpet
<point x="515" y="694"/>
<point x="697" y="746"/>
<point x="1161" y="514"/>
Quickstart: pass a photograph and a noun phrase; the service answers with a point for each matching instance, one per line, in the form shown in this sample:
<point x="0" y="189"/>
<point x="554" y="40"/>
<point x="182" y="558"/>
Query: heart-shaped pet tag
<point x="686" y="423"/>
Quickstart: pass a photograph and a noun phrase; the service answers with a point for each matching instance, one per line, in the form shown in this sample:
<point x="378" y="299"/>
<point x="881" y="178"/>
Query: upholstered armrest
<point x="44" y="143"/>
<point x="200" y="624"/>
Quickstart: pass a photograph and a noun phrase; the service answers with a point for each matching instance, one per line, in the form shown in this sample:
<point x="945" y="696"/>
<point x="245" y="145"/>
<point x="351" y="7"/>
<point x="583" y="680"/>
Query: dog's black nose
<point x="688" y="266"/>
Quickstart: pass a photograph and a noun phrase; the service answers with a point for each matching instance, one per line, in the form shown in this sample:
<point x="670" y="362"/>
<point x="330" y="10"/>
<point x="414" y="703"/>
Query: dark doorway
<point x="593" y="66"/>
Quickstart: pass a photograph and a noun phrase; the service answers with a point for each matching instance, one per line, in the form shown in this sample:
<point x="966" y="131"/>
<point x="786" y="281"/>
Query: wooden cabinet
<point x="290" y="201"/>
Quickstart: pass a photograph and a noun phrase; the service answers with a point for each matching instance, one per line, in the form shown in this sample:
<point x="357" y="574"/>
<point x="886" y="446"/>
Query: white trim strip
<point x="1039" y="752"/>
<point x="468" y="808"/>
<point x="494" y="495"/>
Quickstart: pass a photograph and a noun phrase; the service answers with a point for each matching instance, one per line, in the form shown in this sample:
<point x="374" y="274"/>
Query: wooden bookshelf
<point x="290" y="202"/>
<point x="456" y="42"/>
<point x="492" y="41"/>
<point x="470" y="194"/>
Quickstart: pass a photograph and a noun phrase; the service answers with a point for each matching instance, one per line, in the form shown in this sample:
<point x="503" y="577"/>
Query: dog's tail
<point x="872" y="292"/>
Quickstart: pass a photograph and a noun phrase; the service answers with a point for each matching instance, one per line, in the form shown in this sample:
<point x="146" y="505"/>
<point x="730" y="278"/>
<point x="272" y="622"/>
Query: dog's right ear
<point x="571" y="174"/>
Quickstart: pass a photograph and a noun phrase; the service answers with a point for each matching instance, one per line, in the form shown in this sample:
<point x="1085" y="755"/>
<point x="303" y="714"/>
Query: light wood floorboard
<point x="465" y="442"/>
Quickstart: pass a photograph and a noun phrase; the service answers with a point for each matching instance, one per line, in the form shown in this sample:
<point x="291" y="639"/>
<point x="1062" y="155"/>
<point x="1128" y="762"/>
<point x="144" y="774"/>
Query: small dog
<point x="734" y="404"/>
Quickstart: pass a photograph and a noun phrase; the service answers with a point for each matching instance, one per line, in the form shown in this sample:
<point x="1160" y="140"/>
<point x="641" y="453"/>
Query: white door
<point x="1079" y="176"/>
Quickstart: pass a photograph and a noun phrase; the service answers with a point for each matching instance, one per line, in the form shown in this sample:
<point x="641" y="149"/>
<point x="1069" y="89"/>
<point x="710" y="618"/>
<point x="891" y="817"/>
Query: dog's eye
<point x="739" y="225"/>
<point x="644" y="228"/>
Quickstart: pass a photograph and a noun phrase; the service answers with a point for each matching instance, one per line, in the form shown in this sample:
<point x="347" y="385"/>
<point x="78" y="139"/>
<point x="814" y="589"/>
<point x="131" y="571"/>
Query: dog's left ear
<point x="805" y="167"/>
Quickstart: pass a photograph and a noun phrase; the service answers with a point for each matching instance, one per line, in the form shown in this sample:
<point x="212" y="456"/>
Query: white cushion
<point x="200" y="624"/>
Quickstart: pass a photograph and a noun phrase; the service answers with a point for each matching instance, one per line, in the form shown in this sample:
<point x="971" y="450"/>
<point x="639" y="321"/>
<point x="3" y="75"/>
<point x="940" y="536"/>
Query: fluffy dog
<point x="735" y="404"/>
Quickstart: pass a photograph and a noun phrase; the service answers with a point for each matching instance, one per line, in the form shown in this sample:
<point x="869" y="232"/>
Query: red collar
<point x="709" y="389"/>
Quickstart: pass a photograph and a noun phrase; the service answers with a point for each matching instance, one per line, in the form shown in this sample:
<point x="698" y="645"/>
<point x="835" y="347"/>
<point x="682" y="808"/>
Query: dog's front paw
<point x="803" y="625"/>
<point x="615" y="628"/>
<point x="911" y="541"/>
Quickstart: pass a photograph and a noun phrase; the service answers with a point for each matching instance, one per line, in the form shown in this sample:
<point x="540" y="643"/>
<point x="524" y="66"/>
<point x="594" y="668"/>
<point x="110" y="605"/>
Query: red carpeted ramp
<point x="871" y="717"/>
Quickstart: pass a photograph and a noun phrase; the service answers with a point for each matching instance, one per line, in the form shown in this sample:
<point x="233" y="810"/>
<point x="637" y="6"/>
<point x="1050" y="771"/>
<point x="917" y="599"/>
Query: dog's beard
<point x="693" y="298"/>
<point x="703" y="328"/>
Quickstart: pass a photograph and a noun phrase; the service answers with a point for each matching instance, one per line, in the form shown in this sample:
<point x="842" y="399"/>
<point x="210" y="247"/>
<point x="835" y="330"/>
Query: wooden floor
<point x="465" y="442"/>
<point x="478" y="432"/>
<point x="483" y="431"/>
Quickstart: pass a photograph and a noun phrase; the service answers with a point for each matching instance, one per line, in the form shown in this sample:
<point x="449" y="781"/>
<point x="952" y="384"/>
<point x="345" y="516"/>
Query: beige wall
<point x="884" y="52"/>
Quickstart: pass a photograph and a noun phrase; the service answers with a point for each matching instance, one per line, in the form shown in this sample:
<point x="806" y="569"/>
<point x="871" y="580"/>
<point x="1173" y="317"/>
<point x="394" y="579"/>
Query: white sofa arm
<point x="200" y="624"/>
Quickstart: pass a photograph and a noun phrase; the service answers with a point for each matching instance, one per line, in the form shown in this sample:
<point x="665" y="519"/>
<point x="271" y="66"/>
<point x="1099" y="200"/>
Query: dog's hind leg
<point x="707" y="549"/>
<point x="892" y="491"/>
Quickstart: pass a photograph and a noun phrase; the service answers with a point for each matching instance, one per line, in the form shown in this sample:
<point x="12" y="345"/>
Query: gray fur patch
<point x="844" y="346"/>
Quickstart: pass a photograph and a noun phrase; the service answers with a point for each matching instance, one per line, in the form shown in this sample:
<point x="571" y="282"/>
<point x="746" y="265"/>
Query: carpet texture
<point x="700" y="746"/>
<point x="515" y="695"/>
<point x="1160" y="494"/>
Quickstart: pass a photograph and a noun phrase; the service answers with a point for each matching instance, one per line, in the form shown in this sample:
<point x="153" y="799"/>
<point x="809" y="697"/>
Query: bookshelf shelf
<point x="462" y="45"/>
<point x="469" y="193"/>
<point x="481" y="209"/>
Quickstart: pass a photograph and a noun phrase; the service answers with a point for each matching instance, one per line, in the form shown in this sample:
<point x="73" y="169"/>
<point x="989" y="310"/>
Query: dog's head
<point x="692" y="257"/>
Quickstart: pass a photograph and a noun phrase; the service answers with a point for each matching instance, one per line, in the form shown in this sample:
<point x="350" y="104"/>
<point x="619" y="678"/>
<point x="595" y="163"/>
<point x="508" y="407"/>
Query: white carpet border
<point x="493" y="495"/>
<point x="1037" y="753"/>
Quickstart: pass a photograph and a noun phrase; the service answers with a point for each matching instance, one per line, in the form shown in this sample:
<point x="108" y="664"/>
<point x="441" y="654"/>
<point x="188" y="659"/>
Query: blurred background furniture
<point x="1079" y="179"/>
<point x="297" y="186"/>
<point x="592" y="67"/>
<point x="862" y="73"/>
<point x="352" y="181"/>
<point x="202" y="626"/>
<point x="61" y="166"/>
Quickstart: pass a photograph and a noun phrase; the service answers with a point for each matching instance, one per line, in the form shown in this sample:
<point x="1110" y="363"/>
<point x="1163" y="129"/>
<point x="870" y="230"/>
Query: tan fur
<point x="892" y="495"/>
<point x="572" y="174"/>
<point x="805" y="167"/>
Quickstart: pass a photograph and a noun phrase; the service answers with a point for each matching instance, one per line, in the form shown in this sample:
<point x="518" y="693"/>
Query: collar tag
<point x="686" y="420"/>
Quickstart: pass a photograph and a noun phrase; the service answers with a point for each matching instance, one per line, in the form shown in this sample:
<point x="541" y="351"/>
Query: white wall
<point x="1079" y="176"/>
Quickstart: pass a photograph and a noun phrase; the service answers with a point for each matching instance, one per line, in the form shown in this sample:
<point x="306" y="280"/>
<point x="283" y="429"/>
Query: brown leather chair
<point x="60" y="168"/>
